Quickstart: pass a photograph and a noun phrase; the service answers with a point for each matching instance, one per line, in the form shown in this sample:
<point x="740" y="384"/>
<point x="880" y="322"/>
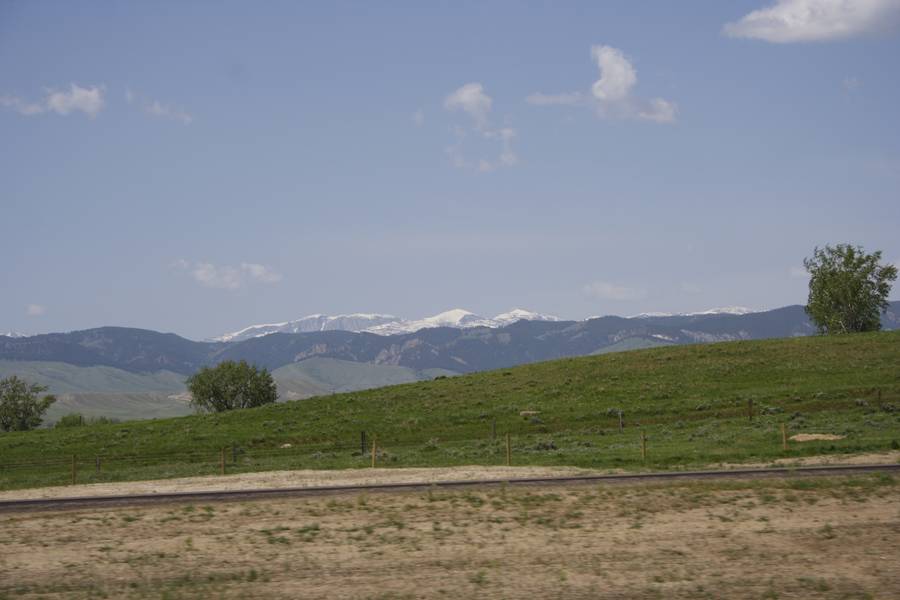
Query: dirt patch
<point x="812" y="437"/>
<point x="290" y="479"/>
<point x="828" y="538"/>
<point x="872" y="458"/>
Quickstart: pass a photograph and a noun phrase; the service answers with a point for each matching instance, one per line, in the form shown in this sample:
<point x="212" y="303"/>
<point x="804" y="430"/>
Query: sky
<point x="199" y="167"/>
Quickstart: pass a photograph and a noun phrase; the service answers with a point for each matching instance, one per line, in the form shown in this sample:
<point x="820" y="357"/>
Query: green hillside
<point x="101" y="391"/>
<point x="691" y="401"/>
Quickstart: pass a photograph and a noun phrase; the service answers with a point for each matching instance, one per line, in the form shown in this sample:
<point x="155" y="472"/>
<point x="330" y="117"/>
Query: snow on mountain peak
<point x="520" y="314"/>
<point x="725" y="310"/>
<point x="14" y="334"/>
<point x="385" y="324"/>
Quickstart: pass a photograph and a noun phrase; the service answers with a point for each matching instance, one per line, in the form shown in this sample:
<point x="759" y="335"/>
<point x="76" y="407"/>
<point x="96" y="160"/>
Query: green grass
<point x="690" y="400"/>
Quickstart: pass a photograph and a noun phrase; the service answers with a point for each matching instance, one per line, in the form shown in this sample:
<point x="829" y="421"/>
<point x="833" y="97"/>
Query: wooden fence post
<point x="621" y="421"/>
<point x="374" y="449"/>
<point x="222" y="460"/>
<point x="508" y="452"/>
<point x="74" y="470"/>
<point x="750" y="408"/>
<point x="643" y="447"/>
<point x="363" y="446"/>
<point x="97" y="463"/>
<point x="783" y="437"/>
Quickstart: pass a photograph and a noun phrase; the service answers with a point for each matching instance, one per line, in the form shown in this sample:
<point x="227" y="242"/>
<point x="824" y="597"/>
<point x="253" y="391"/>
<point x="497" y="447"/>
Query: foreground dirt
<point x="803" y="538"/>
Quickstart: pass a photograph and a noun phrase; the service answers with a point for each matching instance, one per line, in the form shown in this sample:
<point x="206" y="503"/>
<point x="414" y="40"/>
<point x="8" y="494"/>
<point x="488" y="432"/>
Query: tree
<point x="20" y="407"/>
<point x="848" y="289"/>
<point x="230" y="385"/>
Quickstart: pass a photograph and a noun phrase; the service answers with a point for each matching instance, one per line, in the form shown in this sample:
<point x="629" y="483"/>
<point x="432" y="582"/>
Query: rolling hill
<point x="691" y="402"/>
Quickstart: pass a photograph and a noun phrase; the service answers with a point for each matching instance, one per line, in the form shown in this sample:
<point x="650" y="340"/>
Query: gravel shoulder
<point x="319" y="478"/>
<point x="291" y="479"/>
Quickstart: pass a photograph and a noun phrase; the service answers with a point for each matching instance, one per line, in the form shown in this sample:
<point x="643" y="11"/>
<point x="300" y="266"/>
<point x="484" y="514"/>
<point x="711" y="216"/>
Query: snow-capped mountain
<point x="384" y="324"/>
<point x="725" y="310"/>
<point x="14" y="334"/>
<point x="354" y="322"/>
<point x="518" y="314"/>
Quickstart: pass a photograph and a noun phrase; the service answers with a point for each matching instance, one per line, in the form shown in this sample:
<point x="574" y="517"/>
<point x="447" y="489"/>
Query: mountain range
<point x="383" y="324"/>
<point x="98" y="370"/>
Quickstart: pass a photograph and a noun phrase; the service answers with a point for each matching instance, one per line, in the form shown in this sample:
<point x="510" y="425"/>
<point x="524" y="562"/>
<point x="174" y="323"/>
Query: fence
<point x="617" y="446"/>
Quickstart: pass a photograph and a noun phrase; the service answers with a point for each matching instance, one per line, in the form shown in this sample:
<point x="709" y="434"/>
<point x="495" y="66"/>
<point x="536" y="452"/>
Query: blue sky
<point x="198" y="167"/>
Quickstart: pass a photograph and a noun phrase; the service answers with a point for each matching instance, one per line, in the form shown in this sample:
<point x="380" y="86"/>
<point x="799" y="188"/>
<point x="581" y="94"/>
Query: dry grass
<point x="828" y="538"/>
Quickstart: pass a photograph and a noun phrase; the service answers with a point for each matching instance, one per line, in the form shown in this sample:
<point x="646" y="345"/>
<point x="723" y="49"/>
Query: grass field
<point x="692" y="403"/>
<point x="832" y="538"/>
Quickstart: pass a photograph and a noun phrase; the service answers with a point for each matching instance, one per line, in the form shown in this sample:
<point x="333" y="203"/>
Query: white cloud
<point x="612" y="95"/>
<point x="471" y="99"/>
<point x="35" y="310"/>
<point x="168" y="112"/>
<point x="226" y="276"/>
<point x="507" y="157"/>
<point x="88" y="100"/>
<point x="418" y="118"/>
<point x="617" y="75"/>
<point x="21" y="106"/>
<point x="604" y="290"/>
<point x="156" y="108"/>
<point x="261" y="273"/>
<point x="659" y="110"/>
<point x="788" y="21"/>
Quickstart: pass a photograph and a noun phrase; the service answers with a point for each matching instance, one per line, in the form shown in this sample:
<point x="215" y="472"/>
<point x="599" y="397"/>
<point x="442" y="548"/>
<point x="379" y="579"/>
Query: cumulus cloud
<point x="156" y="108"/>
<point x="604" y="290"/>
<point x="617" y="75"/>
<point x="788" y="21"/>
<point x="471" y="99"/>
<point x="226" y="276"/>
<point x="474" y="101"/>
<point x="35" y="310"/>
<point x="88" y="100"/>
<point x="612" y="96"/>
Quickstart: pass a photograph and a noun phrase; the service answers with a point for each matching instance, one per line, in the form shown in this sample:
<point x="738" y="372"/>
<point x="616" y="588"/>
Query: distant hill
<point x="313" y="363"/>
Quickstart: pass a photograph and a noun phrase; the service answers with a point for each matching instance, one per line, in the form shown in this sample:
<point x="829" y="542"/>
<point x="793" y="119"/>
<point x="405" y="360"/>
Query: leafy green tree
<point x="230" y="385"/>
<point x="21" y="408"/>
<point x="848" y="289"/>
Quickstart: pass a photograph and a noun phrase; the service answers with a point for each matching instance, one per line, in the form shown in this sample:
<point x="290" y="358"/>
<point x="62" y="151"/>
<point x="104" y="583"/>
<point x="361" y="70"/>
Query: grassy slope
<point x="690" y="400"/>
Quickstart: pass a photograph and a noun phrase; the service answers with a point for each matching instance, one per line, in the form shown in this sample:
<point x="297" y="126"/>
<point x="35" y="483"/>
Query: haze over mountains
<point x="137" y="373"/>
